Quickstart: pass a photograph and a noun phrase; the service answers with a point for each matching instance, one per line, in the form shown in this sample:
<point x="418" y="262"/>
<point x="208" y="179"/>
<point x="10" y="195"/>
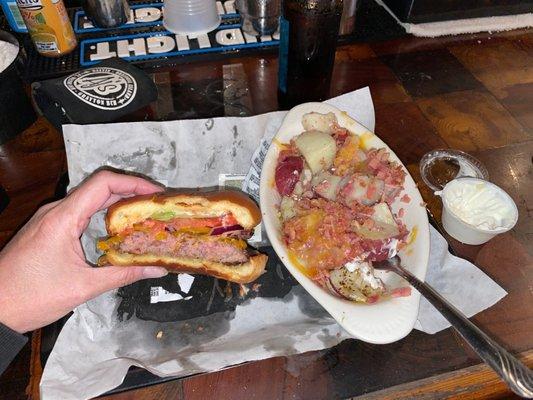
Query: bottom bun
<point x="238" y="273"/>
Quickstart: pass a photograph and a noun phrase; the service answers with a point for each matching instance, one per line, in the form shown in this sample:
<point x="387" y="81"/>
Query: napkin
<point x="459" y="281"/>
<point x="95" y="349"/>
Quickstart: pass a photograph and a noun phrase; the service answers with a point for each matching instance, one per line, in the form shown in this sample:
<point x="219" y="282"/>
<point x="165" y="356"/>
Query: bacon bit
<point x="371" y="191"/>
<point x="374" y="163"/>
<point x="401" y="292"/>
<point x="405" y="199"/>
<point x="372" y="299"/>
<point x="401" y="213"/>
<point x="321" y="277"/>
<point x="322" y="187"/>
<point x="340" y="135"/>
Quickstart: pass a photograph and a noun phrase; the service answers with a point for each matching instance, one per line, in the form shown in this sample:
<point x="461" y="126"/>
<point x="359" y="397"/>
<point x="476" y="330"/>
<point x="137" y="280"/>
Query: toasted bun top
<point x="127" y="212"/>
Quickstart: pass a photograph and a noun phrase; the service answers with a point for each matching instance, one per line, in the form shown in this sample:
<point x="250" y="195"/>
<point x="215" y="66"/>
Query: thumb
<point x="108" y="278"/>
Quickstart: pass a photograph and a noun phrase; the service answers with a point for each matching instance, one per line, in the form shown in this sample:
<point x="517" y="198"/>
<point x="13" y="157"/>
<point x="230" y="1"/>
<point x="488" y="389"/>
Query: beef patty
<point x="210" y="248"/>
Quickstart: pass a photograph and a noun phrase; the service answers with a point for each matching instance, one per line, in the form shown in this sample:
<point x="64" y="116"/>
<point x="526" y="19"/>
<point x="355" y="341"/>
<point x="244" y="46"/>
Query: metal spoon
<point x="509" y="368"/>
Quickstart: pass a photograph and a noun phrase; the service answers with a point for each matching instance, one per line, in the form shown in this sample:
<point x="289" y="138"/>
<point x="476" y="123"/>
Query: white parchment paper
<point x="94" y="350"/>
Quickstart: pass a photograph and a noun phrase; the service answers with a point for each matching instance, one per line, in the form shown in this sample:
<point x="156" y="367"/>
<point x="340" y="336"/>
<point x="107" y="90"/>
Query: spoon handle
<point x="508" y="367"/>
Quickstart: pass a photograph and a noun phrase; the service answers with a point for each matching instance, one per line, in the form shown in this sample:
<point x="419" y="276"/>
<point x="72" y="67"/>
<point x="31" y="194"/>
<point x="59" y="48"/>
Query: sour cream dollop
<point x="366" y="271"/>
<point x="480" y="204"/>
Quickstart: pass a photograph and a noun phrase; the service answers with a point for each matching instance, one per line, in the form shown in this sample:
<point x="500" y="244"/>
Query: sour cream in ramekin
<point x="476" y="210"/>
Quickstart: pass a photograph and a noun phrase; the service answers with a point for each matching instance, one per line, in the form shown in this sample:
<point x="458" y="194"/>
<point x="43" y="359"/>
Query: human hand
<point x="43" y="272"/>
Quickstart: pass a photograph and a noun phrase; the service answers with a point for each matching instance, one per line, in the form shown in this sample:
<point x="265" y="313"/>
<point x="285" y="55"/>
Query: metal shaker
<point x="259" y="17"/>
<point x="107" y="13"/>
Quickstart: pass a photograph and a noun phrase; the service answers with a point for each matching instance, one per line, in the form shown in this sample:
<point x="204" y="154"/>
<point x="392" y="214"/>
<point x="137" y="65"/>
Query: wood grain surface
<point x="470" y="92"/>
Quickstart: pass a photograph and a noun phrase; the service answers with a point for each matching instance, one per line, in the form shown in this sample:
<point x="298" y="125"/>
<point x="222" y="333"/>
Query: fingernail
<point x="154" y="272"/>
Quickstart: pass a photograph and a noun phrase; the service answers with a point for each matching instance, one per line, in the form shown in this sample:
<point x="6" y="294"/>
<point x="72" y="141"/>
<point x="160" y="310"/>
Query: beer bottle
<point x="49" y="26"/>
<point x="308" y="38"/>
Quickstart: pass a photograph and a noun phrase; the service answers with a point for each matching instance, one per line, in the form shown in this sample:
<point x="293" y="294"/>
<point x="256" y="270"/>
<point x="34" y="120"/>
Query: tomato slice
<point x="152" y="225"/>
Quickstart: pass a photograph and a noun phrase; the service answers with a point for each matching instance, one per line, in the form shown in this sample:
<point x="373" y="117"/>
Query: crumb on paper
<point x="159" y="335"/>
<point x="200" y="328"/>
<point x="243" y="290"/>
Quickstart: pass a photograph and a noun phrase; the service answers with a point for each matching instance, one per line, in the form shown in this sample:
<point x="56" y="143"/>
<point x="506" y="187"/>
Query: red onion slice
<point x="222" y="229"/>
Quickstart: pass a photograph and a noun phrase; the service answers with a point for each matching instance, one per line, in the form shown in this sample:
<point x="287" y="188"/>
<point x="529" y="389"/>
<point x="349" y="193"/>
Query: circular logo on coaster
<point x="102" y="87"/>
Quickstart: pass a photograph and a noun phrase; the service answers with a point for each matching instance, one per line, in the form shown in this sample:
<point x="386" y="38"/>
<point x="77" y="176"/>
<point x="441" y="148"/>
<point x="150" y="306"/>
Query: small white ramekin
<point x="463" y="231"/>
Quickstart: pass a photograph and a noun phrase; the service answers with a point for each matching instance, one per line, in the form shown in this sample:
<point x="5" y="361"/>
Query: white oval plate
<point x="383" y="322"/>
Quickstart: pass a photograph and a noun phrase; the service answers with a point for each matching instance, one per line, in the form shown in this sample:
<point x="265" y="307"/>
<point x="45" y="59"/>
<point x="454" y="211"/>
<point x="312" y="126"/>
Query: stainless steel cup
<point x="259" y="17"/>
<point x="107" y="13"/>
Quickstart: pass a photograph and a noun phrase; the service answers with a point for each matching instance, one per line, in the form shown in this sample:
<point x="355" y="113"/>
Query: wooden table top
<point x="473" y="93"/>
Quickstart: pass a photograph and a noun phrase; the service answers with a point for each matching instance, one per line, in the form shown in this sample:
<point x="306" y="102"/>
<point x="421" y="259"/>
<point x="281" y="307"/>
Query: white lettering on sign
<point x="131" y="18"/>
<point x="220" y="8"/>
<point x="160" y="44"/>
<point x="102" y="52"/>
<point x="203" y="40"/>
<point x="138" y="47"/>
<point x="182" y="42"/>
<point x="163" y="44"/>
<point x="230" y="7"/>
<point x="148" y="14"/>
<point x="249" y="38"/>
<point x="229" y="37"/>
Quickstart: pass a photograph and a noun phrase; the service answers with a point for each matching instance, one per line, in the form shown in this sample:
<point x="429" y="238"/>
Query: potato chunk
<point x="314" y="121"/>
<point x="318" y="149"/>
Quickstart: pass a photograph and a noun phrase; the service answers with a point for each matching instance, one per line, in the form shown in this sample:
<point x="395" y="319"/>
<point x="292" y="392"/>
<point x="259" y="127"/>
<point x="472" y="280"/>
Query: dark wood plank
<point x="307" y="376"/>
<point x="472" y="120"/>
<point x="510" y="168"/>
<point x="169" y="390"/>
<point x="478" y="382"/>
<point x="406" y="131"/>
<point x="505" y="68"/>
<point x="490" y="54"/>
<point x="430" y="73"/>
<point x="354" y="52"/>
<point x="256" y="380"/>
<point x="355" y="74"/>
<point x="409" y="44"/>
